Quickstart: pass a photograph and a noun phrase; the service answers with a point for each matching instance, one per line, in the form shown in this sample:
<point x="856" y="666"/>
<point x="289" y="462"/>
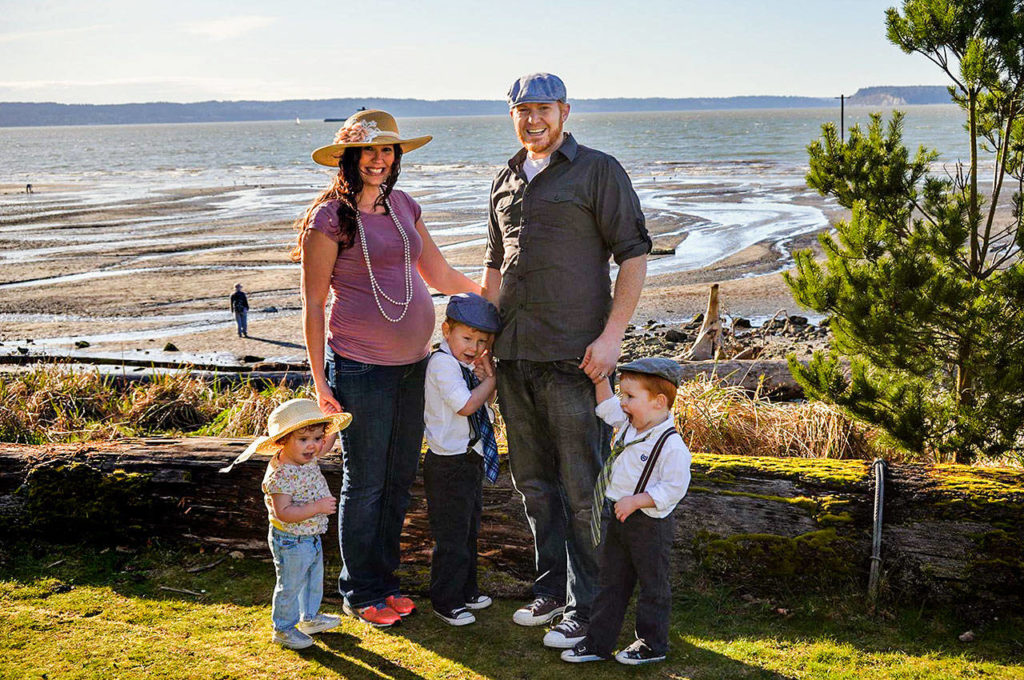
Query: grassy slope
<point x="103" y="615"/>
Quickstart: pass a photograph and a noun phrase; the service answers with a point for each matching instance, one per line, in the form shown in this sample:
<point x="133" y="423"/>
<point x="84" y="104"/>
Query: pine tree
<point x="924" y="284"/>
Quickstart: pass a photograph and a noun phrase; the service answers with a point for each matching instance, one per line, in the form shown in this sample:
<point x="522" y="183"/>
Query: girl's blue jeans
<point x="381" y="454"/>
<point x="299" y="563"/>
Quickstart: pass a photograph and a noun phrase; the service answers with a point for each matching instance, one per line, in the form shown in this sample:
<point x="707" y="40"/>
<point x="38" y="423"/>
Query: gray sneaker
<point x="292" y="639"/>
<point x="538" y="612"/>
<point x="566" y="634"/>
<point x="318" y="624"/>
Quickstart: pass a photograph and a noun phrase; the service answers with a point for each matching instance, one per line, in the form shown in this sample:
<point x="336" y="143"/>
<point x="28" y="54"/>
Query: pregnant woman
<point x="365" y="241"/>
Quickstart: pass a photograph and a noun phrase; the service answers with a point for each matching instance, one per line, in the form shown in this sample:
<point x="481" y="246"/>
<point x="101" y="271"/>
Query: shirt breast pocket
<point x="561" y="208"/>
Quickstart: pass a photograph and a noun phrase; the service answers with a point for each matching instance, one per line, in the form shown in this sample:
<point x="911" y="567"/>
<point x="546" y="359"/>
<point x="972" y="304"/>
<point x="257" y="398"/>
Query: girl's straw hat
<point x="287" y="418"/>
<point x="366" y="128"/>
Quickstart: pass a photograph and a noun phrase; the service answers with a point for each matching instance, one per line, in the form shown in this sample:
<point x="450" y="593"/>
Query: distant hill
<point x="909" y="95"/>
<point x="17" y="114"/>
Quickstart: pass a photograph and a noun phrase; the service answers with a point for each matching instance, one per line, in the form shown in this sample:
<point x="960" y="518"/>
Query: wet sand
<point x="133" y="275"/>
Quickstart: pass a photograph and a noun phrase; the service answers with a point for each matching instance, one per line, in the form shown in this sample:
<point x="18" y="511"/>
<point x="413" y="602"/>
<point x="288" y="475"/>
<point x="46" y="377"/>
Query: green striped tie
<point x="603" y="480"/>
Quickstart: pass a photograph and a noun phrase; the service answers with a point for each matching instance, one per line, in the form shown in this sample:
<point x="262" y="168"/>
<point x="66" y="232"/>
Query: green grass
<point x="102" y="614"/>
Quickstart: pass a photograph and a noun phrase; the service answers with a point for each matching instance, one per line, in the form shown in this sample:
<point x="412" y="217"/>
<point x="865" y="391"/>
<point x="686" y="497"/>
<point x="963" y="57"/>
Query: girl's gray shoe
<point x="292" y="639"/>
<point x="318" y="624"/>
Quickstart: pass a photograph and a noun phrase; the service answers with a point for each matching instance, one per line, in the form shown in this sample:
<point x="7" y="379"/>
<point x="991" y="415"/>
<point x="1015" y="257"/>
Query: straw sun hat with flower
<point x="366" y="128"/>
<point x="287" y="418"/>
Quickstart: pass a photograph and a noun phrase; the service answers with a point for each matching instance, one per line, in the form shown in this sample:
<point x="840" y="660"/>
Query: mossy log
<point x="952" y="533"/>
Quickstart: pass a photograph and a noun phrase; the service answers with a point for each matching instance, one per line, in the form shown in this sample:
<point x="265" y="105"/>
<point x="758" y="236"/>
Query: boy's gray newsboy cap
<point x="536" y="87"/>
<point x="659" y="366"/>
<point x="474" y="311"/>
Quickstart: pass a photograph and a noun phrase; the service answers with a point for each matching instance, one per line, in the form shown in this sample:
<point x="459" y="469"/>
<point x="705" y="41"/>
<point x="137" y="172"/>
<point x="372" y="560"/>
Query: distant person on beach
<point x="240" y="308"/>
<point x="558" y="212"/>
<point x="365" y="240"/>
<point x="28" y="189"/>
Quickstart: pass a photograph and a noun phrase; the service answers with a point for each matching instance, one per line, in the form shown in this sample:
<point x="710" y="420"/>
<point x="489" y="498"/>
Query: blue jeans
<point x="556" y="446"/>
<point x="241" y="322"/>
<point x="299" y="563"/>
<point x="381" y="454"/>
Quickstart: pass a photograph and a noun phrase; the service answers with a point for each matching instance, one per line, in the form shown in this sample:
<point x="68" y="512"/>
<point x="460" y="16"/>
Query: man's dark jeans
<point x="556" y="445"/>
<point x="453" y="485"/>
<point x="638" y="549"/>
<point x="381" y="453"/>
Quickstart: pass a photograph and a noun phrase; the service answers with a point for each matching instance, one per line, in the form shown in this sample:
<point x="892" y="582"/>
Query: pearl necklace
<point x="378" y="292"/>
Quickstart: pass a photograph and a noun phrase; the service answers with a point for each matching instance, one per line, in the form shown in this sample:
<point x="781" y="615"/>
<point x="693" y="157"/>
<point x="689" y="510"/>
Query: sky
<point x="118" y="51"/>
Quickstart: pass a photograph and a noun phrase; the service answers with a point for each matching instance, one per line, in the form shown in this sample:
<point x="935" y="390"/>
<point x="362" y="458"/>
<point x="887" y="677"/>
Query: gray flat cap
<point x="535" y="88"/>
<point x="659" y="366"/>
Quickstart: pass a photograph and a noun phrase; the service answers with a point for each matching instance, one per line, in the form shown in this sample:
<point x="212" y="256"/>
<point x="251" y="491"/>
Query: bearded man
<point x="558" y="212"/>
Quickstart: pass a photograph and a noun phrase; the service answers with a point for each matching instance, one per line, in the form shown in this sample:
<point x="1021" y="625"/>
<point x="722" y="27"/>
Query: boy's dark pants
<point x="453" y="486"/>
<point x="635" y="550"/>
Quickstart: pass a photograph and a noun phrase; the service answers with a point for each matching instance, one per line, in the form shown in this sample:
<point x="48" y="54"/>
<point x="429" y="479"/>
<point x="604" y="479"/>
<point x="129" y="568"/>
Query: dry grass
<point x="52" y="403"/>
<point x="251" y="408"/>
<point x="718" y="418"/>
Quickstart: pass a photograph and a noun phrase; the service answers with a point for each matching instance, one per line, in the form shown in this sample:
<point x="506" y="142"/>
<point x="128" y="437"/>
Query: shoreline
<point x="133" y="275"/>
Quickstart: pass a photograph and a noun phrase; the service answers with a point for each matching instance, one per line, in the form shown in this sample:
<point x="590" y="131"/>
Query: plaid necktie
<point x="482" y="430"/>
<point x="603" y="480"/>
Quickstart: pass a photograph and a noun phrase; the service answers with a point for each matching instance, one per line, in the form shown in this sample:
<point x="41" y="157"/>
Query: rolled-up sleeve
<point x="672" y="472"/>
<point x="610" y="411"/>
<point x="494" y="255"/>
<point x="618" y="214"/>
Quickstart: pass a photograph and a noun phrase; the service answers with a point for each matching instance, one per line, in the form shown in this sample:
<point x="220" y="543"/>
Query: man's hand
<point x="600" y="357"/>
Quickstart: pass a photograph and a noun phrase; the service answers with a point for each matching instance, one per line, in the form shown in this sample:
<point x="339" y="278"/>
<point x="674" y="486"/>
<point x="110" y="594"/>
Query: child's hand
<point x="626" y="507"/>
<point x="483" y="366"/>
<point x="326" y="505"/>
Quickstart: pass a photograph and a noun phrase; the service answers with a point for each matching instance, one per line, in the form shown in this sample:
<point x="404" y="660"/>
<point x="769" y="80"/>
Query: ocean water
<point x="727" y="178"/>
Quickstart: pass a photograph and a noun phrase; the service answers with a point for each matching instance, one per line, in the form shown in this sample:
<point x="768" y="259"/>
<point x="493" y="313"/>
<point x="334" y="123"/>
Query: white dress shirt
<point x="671" y="475"/>
<point x="445" y="394"/>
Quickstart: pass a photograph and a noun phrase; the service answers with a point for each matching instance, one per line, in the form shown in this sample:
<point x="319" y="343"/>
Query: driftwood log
<point x="708" y="344"/>
<point x="951" y="533"/>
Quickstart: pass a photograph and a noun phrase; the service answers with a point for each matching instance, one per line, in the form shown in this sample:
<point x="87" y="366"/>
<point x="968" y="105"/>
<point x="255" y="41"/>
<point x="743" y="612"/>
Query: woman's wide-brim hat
<point x="287" y="418"/>
<point x="366" y="128"/>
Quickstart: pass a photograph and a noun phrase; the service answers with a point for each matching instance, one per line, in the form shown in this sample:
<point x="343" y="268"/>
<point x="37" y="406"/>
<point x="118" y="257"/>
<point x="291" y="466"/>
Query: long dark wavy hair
<point x="344" y="188"/>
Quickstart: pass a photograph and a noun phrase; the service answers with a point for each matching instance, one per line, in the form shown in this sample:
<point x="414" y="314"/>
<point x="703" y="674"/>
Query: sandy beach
<point x="131" y="276"/>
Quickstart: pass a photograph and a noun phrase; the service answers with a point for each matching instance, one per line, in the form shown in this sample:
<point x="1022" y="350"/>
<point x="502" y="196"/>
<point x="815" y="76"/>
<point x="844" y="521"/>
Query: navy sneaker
<point x="581" y="653"/>
<point x="638" y="653"/>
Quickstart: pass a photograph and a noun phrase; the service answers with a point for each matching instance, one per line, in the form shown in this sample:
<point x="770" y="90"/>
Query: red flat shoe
<point x="401" y="604"/>
<point x="381" y="617"/>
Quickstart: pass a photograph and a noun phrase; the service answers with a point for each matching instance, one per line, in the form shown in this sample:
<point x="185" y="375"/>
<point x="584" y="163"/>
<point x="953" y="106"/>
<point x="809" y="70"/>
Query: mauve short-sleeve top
<point x="356" y="329"/>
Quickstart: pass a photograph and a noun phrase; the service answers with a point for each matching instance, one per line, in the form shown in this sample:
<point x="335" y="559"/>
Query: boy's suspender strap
<point x="645" y="476"/>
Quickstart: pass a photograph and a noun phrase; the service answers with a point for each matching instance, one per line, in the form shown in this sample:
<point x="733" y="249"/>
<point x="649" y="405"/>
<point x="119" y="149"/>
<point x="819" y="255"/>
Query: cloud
<point x="50" y="33"/>
<point x="228" y="27"/>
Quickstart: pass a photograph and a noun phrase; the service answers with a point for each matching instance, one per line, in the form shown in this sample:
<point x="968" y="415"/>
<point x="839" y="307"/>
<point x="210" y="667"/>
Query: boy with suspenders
<point x="644" y="478"/>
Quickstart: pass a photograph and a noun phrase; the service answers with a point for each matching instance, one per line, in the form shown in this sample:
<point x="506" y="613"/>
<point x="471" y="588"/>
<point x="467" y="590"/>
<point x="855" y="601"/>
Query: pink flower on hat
<point x="361" y="132"/>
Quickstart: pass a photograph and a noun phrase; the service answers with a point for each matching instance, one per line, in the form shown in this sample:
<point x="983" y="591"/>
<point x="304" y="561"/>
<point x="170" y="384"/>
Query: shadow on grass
<point x="345" y="656"/>
<point x="705" y="620"/>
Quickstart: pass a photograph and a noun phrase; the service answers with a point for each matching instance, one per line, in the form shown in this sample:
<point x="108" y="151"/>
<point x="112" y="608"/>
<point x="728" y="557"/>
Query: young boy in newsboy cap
<point x="461" y="450"/>
<point x="645" y="476"/>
